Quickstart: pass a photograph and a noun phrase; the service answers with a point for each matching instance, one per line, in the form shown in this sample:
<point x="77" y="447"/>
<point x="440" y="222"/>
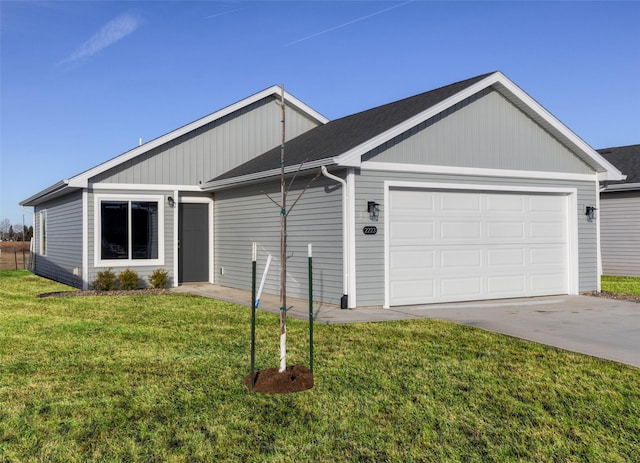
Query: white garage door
<point x="447" y="246"/>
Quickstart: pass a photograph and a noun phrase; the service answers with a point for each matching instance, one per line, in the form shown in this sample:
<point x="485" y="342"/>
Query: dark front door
<point x="193" y="242"/>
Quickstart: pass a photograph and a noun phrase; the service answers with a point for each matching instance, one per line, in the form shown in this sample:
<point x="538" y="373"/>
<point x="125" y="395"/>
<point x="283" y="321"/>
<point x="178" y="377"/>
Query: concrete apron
<point x="603" y="328"/>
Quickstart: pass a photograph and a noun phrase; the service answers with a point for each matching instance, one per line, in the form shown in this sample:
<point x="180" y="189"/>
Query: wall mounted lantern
<point x="373" y="209"/>
<point x="171" y="201"/>
<point x="590" y="213"/>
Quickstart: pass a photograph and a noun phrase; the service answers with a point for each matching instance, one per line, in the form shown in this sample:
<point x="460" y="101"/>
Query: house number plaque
<point x="370" y="230"/>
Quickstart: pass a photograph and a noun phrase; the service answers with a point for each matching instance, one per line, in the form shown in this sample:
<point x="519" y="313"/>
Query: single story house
<point x="620" y="214"/>
<point x="467" y="192"/>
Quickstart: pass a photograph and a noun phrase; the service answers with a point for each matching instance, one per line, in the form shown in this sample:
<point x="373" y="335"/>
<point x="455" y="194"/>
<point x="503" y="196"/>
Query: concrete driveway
<point x="596" y="326"/>
<point x="600" y="327"/>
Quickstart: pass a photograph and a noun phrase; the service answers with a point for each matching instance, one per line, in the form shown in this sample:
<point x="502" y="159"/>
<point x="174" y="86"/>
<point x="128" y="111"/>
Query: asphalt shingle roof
<point x="341" y="135"/>
<point x="626" y="159"/>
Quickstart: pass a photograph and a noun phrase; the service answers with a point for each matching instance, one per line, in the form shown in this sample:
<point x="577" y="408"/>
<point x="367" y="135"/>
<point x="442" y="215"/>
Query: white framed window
<point x="129" y="230"/>
<point x="43" y="232"/>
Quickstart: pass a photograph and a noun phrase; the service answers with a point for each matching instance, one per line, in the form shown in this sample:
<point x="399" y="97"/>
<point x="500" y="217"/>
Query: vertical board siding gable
<point x="484" y="131"/>
<point x="213" y="149"/>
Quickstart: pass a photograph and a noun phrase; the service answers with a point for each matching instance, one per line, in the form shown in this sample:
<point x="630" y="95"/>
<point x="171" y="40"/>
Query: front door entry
<point x="193" y="242"/>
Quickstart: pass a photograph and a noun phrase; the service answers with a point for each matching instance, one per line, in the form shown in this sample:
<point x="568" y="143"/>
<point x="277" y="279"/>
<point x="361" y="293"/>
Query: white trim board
<point x="572" y="221"/>
<point x="474" y="171"/>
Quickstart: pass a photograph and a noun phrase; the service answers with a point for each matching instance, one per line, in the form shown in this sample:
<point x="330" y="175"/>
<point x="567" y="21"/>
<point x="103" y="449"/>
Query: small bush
<point x="105" y="281"/>
<point x="128" y="279"/>
<point x="159" y="278"/>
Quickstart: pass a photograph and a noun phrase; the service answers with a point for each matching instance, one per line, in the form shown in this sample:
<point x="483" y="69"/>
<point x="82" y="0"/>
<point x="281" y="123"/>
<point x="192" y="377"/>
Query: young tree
<point x="11" y="232"/>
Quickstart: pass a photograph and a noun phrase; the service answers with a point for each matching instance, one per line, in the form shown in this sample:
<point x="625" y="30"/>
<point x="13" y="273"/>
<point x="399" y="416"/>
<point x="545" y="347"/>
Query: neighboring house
<point x="471" y="191"/>
<point x="620" y="214"/>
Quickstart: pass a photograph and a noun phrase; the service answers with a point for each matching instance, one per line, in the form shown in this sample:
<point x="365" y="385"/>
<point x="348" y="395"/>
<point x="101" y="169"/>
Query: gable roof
<point x="81" y="180"/>
<point x="343" y="141"/>
<point x="627" y="160"/>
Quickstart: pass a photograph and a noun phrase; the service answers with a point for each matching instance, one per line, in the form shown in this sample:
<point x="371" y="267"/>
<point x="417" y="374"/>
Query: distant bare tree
<point x="5" y="225"/>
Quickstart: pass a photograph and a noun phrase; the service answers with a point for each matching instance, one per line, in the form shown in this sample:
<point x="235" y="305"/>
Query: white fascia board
<point x="474" y="171"/>
<point x="143" y="187"/>
<point x="352" y="158"/>
<point x="252" y="178"/>
<point x="55" y="191"/>
<point x="81" y="180"/>
<point x="621" y="187"/>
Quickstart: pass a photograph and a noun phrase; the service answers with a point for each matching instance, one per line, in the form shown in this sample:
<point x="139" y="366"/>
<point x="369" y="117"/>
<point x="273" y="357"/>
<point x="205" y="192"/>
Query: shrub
<point x="105" y="281"/>
<point x="159" y="278"/>
<point x="128" y="279"/>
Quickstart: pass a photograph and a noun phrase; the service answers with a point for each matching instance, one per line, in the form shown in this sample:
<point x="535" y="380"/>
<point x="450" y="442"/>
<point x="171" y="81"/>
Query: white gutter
<point x="345" y="240"/>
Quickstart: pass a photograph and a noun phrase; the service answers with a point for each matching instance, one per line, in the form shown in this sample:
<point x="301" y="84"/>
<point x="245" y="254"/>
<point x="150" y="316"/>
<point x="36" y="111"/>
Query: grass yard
<point x="159" y="378"/>
<point x="621" y="285"/>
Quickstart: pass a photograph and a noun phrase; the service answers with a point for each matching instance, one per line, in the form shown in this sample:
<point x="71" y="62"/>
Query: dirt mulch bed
<point x="133" y="292"/>
<point x="296" y="378"/>
<point x="616" y="296"/>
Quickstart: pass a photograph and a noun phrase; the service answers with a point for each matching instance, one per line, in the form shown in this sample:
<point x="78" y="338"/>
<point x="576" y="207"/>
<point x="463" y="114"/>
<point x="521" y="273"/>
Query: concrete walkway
<point x="595" y="326"/>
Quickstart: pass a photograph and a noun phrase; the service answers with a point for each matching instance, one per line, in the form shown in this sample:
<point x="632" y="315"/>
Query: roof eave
<point x="54" y="191"/>
<point x="621" y="187"/>
<point x="222" y="184"/>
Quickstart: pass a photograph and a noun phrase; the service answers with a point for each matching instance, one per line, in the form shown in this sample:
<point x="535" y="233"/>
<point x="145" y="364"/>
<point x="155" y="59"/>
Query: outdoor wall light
<point x="373" y="209"/>
<point x="171" y="201"/>
<point x="590" y="213"/>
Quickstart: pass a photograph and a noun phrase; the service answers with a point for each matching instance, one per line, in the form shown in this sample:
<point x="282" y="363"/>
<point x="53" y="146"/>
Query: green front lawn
<point x="159" y="378"/>
<point x="621" y="285"/>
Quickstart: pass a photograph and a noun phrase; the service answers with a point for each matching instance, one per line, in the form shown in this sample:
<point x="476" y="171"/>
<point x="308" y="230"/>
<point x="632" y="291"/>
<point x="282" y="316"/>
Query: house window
<point x="43" y="233"/>
<point x="129" y="231"/>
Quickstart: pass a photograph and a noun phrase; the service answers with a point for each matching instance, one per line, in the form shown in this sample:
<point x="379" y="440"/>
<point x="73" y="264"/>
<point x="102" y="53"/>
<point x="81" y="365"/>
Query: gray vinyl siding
<point x="485" y="131"/>
<point x="244" y="215"/>
<point x="620" y="233"/>
<point x="369" y="186"/>
<point x="143" y="270"/>
<point x="213" y="149"/>
<point x="64" y="240"/>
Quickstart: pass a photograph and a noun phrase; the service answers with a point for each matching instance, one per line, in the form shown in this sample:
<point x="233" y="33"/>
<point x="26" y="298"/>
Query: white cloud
<point x="110" y="33"/>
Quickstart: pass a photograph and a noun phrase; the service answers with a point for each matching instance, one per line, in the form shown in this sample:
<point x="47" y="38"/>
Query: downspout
<point x="344" y="300"/>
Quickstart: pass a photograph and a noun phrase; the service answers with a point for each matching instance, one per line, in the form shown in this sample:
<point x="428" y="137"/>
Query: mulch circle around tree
<point x="295" y="378"/>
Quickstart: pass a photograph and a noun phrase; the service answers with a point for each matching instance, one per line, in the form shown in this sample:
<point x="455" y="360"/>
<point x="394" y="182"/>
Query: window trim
<point x="43" y="233"/>
<point x="97" y="221"/>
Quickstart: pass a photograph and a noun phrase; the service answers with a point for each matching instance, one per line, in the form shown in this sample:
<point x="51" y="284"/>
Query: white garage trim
<point x="572" y="229"/>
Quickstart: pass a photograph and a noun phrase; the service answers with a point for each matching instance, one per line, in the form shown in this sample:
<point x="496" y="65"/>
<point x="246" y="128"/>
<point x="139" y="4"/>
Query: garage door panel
<point x="465" y="287"/>
<point x="412" y="233"/>
<point x="451" y="259"/>
<point x="506" y="285"/>
<point x="546" y="204"/>
<point x="547" y="231"/>
<point x="548" y="256"/>
<point x="505" y="204"/>
<point x="548" y="284"/>
<point x="476" y="246"/>
<point x="505" y="257"/>
<point x="412" y="260"/>
<point x="459" y="203"/>
<point x="407" y="201"/>
<point x="412" y="291"/>
<point x="460" y="230"/>
<point x="505" y="231"/>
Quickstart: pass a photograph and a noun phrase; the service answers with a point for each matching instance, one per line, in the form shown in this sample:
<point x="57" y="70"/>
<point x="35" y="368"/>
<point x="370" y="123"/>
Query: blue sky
<point x="82" y="82"/>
